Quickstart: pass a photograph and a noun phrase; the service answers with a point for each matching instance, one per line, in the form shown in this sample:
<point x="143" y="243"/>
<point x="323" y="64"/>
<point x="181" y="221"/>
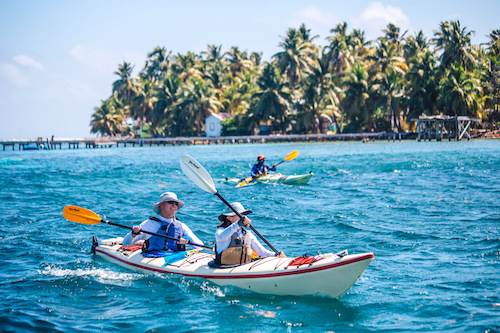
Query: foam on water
<point x="99" y="274"/>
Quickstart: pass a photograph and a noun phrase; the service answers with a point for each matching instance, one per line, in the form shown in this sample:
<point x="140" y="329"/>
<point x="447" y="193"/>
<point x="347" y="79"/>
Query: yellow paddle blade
<point x="245" y="182"/>
<point x="80" y="215"/>
<point x="292" y="155"/>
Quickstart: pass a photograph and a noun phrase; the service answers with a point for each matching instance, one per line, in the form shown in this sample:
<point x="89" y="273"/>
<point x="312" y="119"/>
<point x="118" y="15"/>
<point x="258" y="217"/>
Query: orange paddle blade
<point x="292" y="155"/>
<point x="80" y="215"/>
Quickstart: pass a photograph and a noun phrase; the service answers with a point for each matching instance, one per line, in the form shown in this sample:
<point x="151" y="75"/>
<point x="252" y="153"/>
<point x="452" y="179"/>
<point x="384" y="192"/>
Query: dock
<point x="100" y="142"/>
<point x="444" y="127"/>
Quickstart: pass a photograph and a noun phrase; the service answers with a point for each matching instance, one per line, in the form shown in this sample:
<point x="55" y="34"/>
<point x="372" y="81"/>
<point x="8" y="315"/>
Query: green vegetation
<point x="350" y="85"/>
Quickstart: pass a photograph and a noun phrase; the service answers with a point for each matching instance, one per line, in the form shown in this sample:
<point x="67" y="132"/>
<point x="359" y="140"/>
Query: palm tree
<point x="491" y="79"/>
<point x="297" y="57"/>
<point x="157" y="64"/>
<point x="319" y="99"/>
<point x="340" y="52"/>
<point x="461" y="93"/>
<point x="415" y="45"/>
<point x="393" y="35"/>
<point x="389" y="89"/>
<point x="238" y="61"/>
<point x="387" y="56"/>
<point x="196" y="102"/>
<point x="272" y="101"/>
<point x="455" y="44"/>
<point x="107" y="119"/>
<point x="214" y="54"/>
<point x="125" y="87"/>
<point x="186" y="66"/>
<point x="143" y="104"/>
<point x="356" y="101"/>
<point x="422" y="84"/>
<point x="165" y="106"/>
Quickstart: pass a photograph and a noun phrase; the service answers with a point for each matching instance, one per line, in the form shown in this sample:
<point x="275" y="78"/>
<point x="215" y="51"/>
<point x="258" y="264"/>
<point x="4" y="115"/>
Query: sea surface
<point x="429" y="211"/>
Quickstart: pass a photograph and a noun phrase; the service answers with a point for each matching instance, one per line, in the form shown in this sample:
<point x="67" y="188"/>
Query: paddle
<point x="85" y="216"/>
<point x="198" y="175"/>
<point x="288" y="157"/>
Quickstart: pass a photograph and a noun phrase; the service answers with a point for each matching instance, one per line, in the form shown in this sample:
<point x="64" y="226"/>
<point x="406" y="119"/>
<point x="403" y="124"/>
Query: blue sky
<point x="57" y="57"/>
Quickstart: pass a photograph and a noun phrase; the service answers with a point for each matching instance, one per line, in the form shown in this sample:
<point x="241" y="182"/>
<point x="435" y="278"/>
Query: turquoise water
<point x="429" y="211"/>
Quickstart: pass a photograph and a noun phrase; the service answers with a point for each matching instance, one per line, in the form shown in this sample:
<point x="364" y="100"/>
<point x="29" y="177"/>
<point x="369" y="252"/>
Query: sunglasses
<point x="173" y="203"/>
<point x="261" y="160"/>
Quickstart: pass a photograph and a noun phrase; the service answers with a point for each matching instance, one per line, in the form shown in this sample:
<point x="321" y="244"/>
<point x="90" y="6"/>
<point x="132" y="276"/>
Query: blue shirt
<point x="261" y="168"/>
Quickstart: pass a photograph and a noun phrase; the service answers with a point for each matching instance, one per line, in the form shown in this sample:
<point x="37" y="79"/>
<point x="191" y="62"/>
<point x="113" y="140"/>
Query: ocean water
<point x="429" y="211"/>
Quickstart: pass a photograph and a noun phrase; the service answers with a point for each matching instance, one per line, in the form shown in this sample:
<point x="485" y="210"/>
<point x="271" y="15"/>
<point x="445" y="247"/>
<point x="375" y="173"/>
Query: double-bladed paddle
<point x="200" y="176"/>
<point x="85" y="216"/>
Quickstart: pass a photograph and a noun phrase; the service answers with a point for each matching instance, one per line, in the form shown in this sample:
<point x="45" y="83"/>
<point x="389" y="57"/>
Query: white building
<point x="213" y="123"/>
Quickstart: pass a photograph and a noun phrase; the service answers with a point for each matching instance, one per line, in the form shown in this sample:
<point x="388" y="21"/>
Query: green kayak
<point x="273" y="178"/>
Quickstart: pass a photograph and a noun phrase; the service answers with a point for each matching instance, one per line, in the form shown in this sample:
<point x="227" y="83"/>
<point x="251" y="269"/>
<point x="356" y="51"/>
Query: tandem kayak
<point x="326" y="274"/>
<point x="274" y="178"/>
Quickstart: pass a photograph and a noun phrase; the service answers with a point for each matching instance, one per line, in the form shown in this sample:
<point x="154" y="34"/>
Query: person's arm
<point x="188" y="234"/>
<point x="272" y="169"/>
<point x="136" y="235"/>
<point x="255" y="171"/>
<point x="224" y="234"/>
<point x="258" y="248"/>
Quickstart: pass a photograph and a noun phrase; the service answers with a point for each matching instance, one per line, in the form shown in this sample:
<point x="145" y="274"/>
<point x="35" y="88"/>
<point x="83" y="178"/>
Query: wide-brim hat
<point x="239" y="208"/>
<point x="167" y="196"/>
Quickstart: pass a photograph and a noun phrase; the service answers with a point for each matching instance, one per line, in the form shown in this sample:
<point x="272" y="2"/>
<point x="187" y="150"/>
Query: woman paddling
<point x="235" y="245"/>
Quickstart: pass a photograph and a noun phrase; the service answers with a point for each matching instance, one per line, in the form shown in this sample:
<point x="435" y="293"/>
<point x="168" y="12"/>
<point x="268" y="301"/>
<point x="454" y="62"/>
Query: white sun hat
<point x="239" y="208"/>
<point x="167" y="196"/>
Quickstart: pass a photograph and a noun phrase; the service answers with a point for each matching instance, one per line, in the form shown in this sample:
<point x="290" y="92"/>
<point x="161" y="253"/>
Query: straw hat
<point x="167" y="196"/>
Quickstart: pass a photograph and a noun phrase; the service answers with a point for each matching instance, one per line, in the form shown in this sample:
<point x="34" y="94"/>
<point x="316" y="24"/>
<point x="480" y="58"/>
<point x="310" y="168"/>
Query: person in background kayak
<point x="167" y="224"/>
<point x="235" y="245"/>
<point x="261" y="168"/>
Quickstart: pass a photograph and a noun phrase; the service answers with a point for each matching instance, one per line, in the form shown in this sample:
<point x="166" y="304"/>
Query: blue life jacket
<point x="170" y="229"/>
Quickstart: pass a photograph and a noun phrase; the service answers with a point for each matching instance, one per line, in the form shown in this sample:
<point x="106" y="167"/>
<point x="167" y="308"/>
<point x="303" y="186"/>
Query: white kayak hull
<point x="331" y="276"/>
<point x="278" y="178"/>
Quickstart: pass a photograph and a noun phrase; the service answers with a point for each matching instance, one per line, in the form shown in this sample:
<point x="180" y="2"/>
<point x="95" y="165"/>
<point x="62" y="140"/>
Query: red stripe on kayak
<point x="244" y="276"/>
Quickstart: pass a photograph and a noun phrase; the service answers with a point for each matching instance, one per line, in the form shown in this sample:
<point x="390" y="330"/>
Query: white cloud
<point x="376" y="17"/>
<point x="28" y="62"/>
<point x="13" y="75"/>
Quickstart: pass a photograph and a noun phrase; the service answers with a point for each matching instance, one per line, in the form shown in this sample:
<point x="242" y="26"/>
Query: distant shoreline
<point x="101" y="142"/>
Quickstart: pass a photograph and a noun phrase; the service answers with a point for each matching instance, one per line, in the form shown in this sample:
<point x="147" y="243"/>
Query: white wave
<point x="101" y="275"/>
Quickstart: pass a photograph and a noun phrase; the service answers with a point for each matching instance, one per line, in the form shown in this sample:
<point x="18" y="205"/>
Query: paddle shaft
<point x="251" y="227"/>
<point x="289" y="157"/>
<point x="280" y="162"/>
<point x="154" y="234"/>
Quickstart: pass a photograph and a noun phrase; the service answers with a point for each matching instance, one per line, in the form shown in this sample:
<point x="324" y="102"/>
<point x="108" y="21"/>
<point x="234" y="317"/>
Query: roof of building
<point x="221" y="116"/>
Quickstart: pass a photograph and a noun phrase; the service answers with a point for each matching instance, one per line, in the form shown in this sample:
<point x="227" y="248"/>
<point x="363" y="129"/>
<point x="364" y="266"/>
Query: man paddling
<point x="167" y="224"/>
<point x="261" y="168"/>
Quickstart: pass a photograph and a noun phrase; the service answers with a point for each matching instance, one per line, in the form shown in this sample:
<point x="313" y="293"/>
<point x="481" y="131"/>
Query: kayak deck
<point x="332" y="275"/>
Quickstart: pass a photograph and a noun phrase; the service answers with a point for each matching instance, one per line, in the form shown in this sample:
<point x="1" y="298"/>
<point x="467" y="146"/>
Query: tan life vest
<point x="238" y="251"/>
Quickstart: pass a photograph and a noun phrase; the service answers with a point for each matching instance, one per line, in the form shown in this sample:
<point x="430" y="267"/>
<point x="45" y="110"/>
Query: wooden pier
<point x="439" y="127"/>
<point x="132" y="142"/>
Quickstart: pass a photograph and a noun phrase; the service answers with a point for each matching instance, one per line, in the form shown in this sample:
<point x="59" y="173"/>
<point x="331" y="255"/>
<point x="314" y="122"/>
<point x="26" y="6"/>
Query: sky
<point x="58" y="57"/>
